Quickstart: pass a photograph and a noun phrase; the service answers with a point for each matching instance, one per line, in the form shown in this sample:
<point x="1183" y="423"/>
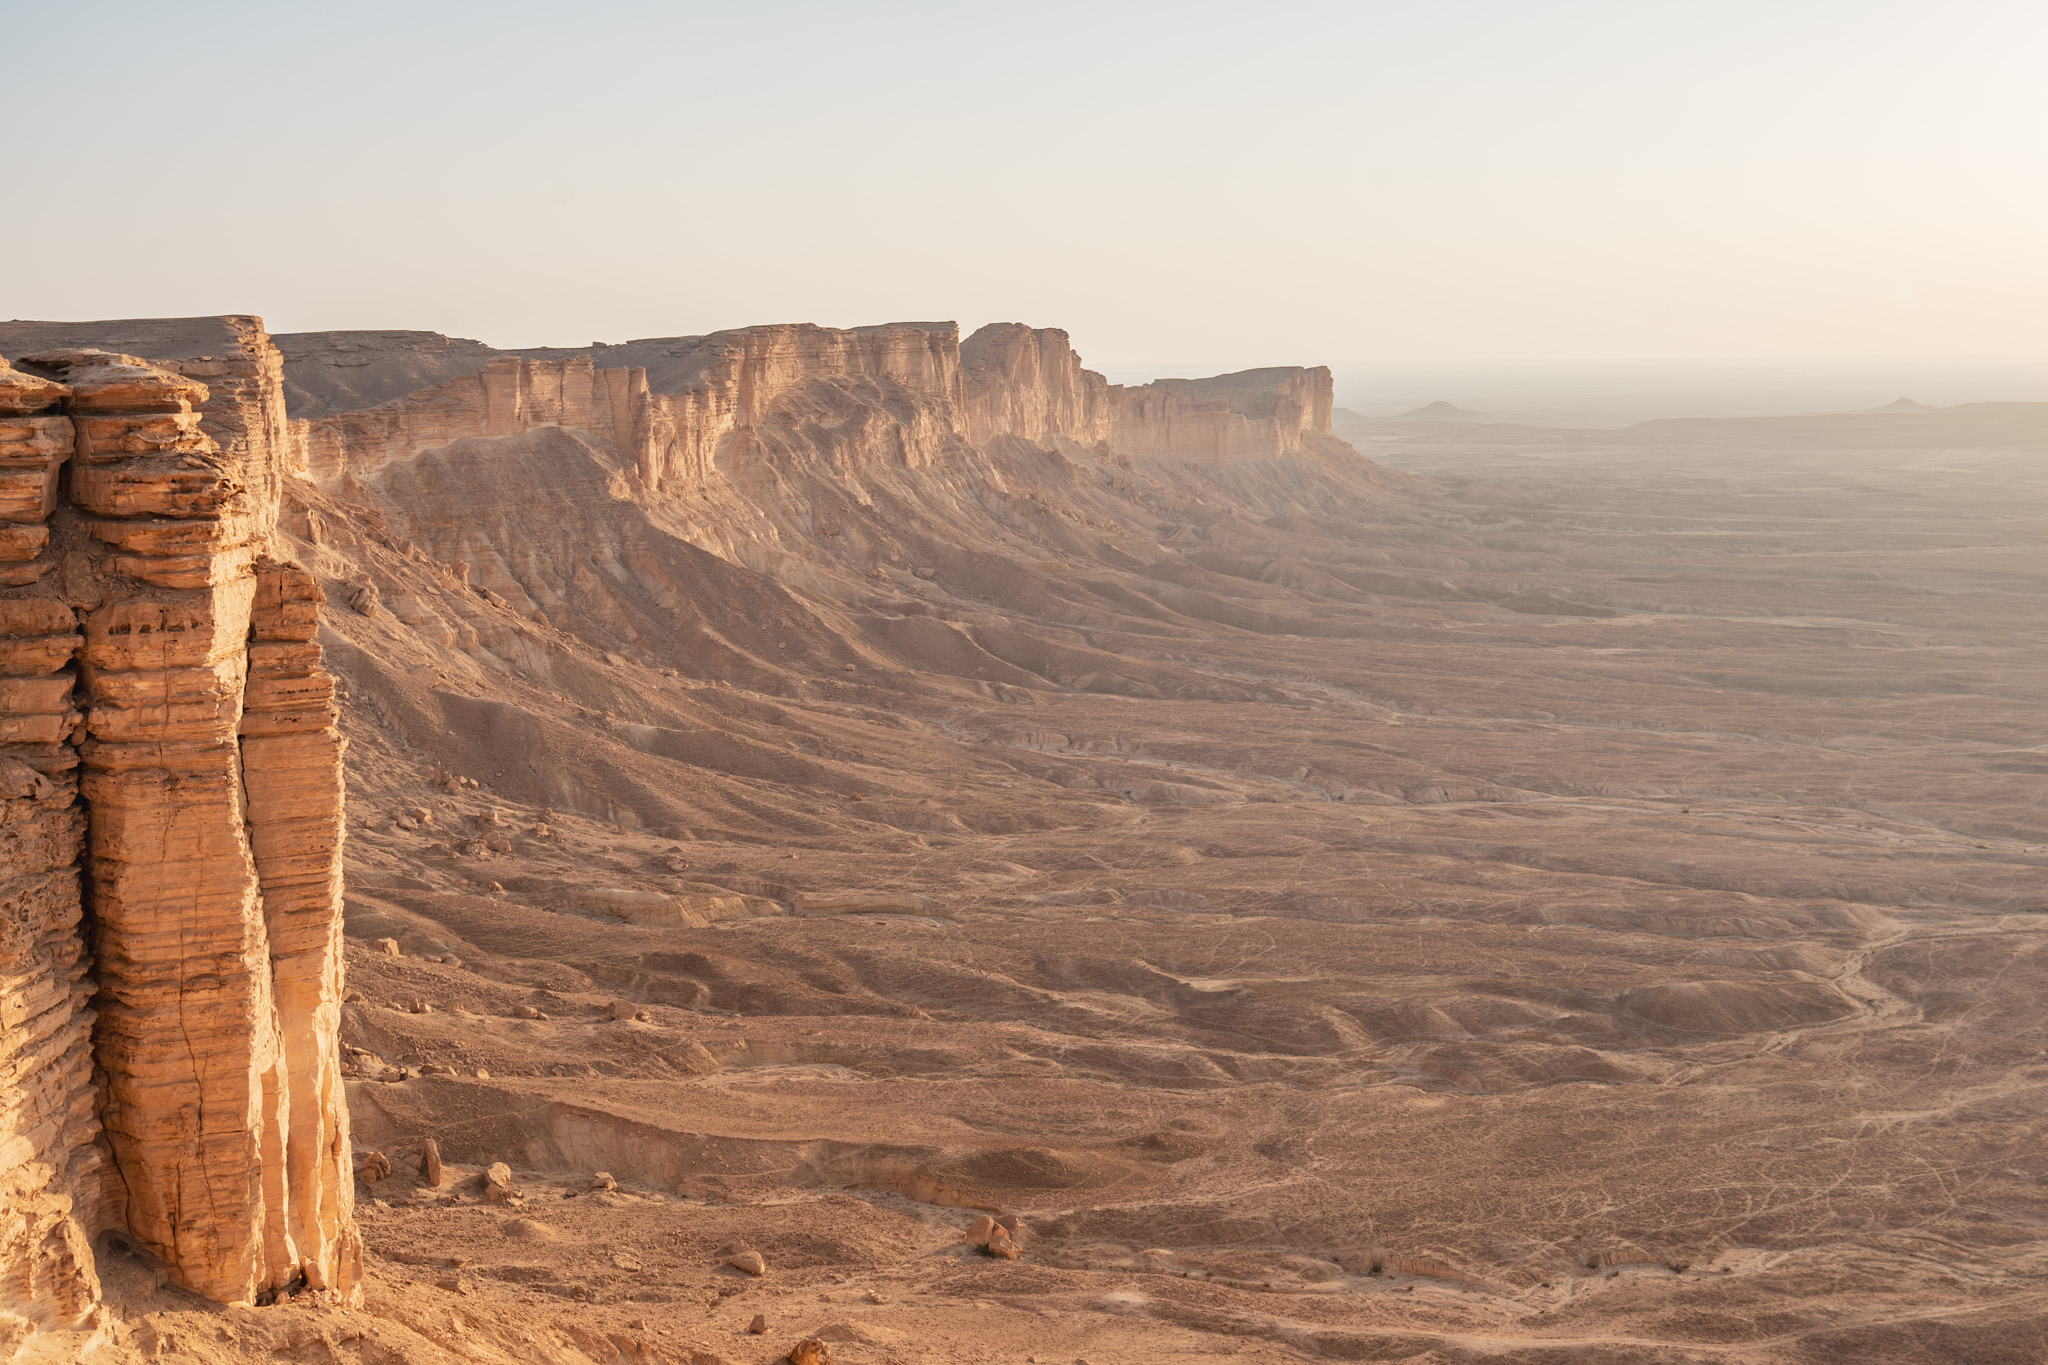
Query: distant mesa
<point x="1441" y="411"/>
<point x="1903" y="405"/>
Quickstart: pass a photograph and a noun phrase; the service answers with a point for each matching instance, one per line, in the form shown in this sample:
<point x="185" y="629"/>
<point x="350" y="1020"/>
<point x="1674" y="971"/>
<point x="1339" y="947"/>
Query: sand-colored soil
<point x="1584" y="903"/>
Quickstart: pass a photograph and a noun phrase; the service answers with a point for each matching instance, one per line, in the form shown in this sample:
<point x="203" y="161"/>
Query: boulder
<point x="430" y="1162"/>
<point x="498" y="1183"/>
<point x="748" y="1262"/>
<point x="386" y="946"/>
<point x="810" y="1351"/>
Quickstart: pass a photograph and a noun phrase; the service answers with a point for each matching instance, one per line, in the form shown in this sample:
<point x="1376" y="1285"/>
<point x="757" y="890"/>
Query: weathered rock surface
<point x="156" y="662"/>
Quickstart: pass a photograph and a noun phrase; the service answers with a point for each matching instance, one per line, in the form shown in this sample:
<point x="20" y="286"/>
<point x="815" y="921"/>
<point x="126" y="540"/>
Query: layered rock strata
<point x="47" y="1123"/>
<point x="158" y="664"/>
<point x="1028" y="383"/>
<point x="678" y="408"/>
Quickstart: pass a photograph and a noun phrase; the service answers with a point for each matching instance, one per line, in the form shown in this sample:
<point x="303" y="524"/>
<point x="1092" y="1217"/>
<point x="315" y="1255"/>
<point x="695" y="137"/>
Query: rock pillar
<point x="209" y="766"/>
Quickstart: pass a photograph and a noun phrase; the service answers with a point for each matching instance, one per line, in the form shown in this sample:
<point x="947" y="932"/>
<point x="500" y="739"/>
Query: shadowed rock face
<point x="170" y="760"/>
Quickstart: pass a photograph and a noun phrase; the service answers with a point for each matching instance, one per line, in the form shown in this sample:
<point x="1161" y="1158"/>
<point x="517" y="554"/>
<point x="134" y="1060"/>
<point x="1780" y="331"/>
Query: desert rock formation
<point x="1576" y="898"/>
<point x="174" y="765"/>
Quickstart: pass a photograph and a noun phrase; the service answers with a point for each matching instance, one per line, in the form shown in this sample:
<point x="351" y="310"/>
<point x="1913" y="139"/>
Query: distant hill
<point x="1904" y="405"/>
<point x="1441" y="411"/>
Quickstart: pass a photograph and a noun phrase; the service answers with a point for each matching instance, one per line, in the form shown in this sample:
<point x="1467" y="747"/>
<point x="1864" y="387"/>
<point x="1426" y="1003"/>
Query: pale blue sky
<point x="1437" y="180"/>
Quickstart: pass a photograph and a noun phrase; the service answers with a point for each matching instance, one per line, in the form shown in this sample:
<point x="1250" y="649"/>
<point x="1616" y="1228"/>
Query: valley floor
<point x="1592" y="909"/>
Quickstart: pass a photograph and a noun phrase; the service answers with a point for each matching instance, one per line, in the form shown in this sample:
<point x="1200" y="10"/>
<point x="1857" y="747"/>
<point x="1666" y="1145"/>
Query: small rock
<point x="526" y="1012"/>
<point x="430" y="1160"/>
<point x="386" y="946"/>
<point x="419" y="1006"/>
<point x="979" y="1231"/>
<point x="364" y="599"/>
<point x="624" y="1009"/>
<point x="603" y="1181"/>
<point x="1000" y="1245"/>
<point x="748" y="1263"/>
<point x="438" y="1069"/>
<point x="759" y="1326"/>
<point x="810" y="1351"/>
<point x="498" y="1183"/>
<point x="375" y="1167"/>
<point x="455" y="1284"/>
<point x="482" y="1074"/>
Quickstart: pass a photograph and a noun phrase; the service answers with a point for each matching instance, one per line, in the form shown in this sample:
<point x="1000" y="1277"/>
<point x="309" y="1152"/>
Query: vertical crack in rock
<point x="208" y="763"/>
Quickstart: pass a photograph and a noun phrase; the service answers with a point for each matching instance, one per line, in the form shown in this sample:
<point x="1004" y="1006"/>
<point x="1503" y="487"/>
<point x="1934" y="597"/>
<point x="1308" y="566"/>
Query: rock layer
<point x="158" y="663"/>
<point x="678" y="408"/>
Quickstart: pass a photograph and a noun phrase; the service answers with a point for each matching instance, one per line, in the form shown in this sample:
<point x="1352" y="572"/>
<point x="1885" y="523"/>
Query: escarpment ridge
<point x="183" y="497"/>
<point x="670" y="405"/>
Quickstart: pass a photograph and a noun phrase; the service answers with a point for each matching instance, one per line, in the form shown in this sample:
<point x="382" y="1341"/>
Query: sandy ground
<point x="1588" y="907"/>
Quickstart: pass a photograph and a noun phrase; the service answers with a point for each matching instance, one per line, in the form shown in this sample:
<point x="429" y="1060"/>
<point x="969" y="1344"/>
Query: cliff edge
<point x="171" y="770"/>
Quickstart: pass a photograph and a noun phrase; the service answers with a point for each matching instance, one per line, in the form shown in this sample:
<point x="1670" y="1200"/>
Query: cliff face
<point x="168" y="1064"/>
<point x="1028" y="383"/>
<point x="170" y="759"/>
<point x="669" y="405"/>
<point x="678" y="408"/>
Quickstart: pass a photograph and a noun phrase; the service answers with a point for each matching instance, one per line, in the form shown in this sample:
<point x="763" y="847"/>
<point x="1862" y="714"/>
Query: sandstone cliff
<point x="1028" y="383"/>
<point x="172" y="755"/>
<point x="674" y="407"/>
<point x="171" y="760"/>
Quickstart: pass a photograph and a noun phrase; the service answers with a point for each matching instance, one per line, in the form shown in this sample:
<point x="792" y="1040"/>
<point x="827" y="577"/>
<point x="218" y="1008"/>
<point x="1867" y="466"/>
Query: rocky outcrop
<point x="171" y="757"/>
<point x="668" y="406"/>
<point x="676" y="408"/>
<point x="1028" y="383"/>
<point x="510" y="395"/>
<point x="47" y="1124"/>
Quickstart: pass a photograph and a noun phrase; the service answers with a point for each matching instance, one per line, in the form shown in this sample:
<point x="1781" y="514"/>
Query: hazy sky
<point x="1223" y="185"/>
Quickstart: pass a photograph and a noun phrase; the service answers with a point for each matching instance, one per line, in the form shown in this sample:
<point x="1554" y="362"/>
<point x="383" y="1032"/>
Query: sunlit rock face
<point x="676" y="409"/>
<point x="169" y="758"/>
